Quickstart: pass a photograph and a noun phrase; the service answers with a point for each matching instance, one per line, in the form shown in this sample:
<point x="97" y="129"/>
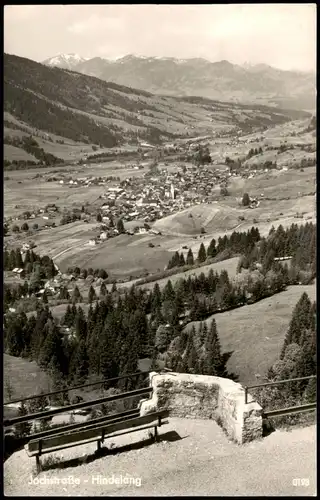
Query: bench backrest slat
<point x="55" y="441"/>
<point x="89" y="423"/>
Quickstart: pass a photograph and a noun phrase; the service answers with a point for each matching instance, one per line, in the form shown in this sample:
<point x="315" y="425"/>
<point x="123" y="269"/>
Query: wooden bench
<point x="93" y="433"/>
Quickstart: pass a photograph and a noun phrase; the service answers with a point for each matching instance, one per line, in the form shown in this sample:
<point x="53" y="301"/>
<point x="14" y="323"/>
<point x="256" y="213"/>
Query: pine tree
<point x="23" y="429"/>
<point x="80" y="325"/>
<point x="80" y="362"/>
<point x="161" y="338"/>
<point x="190" y="258"/>
<point x="245" y="200"/>
<point x="203" y="332"/>
<point x="76" y="296"/>
<point x="91" y="295"/>
<point x="19" y="261"/>
<point x="213" y="361"/>
<point x="300" y="321"/>
<point x="182" y="261"/>
<point x="202" y="255"/>
<point x="168" y="292"/>
<point x="191" y="356"/>
<point x="212" y="251"/>
<point x="52" y="346"/>
<point x="103" y="290"/>
<point x="155" y="299"/>
<point x="68" y="317"/>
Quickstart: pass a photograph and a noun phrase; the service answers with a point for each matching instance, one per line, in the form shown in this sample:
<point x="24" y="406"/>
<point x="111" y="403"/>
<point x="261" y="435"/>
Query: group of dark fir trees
<point x="236" y="243"/>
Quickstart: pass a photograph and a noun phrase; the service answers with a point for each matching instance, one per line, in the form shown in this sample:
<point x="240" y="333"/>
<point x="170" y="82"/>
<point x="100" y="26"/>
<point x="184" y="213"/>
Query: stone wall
<point x="205" y="397"/>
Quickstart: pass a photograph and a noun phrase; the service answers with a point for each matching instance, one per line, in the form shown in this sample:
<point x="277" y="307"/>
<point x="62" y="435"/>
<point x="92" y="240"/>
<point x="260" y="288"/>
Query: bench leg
<point x="98" y="446"/>
<point x="156" y="437"/>
<point x="38" y="463"/>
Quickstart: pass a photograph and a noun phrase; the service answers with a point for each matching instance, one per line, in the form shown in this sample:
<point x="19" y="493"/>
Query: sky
<point x="281" y="35"/>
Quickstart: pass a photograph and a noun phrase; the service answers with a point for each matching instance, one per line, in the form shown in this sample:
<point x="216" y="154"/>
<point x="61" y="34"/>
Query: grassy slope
<point x="230" y="265"/>
<point x="25" y="377"/>
<point x="255" y="333"/>
<point x="13" y="153"/>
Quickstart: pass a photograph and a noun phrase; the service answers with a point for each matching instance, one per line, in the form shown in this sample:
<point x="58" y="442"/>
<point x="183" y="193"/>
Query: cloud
<point x="276" y="34"/>
<point x="95" y="24"/>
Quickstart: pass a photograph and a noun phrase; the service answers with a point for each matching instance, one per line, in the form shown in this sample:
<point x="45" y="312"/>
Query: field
<point x="122" y="257"/>
<point x="14" y="153"/>
<point x="277" y="184"/>
<point x="255" y="333"/>
<point x="29" y="194"/>
<point x="25" y="377"/>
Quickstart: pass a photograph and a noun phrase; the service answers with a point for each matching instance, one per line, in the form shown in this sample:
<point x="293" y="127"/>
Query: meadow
<point x="255" y="333"/>
<point x="24" y="377"/>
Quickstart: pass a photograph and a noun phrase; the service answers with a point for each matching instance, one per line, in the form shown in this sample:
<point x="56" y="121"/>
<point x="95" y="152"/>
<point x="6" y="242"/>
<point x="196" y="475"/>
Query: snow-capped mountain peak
<point x="65" y="61"/>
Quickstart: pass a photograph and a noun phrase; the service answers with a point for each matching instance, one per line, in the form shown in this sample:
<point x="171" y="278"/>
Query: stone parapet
<point x="206" y="397"/>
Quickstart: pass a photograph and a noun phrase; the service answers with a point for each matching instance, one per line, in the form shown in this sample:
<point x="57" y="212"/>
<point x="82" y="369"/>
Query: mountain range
<point x="66" y="107"/>
<point x="189" y="77"/>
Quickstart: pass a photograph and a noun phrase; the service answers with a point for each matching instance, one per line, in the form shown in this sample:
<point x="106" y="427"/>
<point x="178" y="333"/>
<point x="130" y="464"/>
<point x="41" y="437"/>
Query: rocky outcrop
<point x="206" y="397"/>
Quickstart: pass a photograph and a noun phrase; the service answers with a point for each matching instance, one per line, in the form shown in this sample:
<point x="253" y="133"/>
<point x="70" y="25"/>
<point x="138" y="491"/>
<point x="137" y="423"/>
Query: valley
<point x="168" y="177"/>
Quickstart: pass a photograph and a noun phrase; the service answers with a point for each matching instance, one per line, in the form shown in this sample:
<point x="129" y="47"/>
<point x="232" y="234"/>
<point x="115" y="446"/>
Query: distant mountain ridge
<point x="64" y="61"/>
<point x="64" y="105"/>
<point x="221" y="80"/>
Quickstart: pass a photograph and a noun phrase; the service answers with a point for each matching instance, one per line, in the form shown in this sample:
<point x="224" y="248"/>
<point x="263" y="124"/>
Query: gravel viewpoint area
<point x="193" y="457"/>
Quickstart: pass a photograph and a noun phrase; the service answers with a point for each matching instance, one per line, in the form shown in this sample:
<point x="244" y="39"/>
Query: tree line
<point x="236" y="243"/>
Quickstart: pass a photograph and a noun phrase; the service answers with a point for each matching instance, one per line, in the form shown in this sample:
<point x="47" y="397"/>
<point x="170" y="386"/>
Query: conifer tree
<point x="91" y="295"/>
<point x="301" y="320"/>
<point x="12" y="260"/>
<point x="182" y="261"/>
<point x="190" y="258"/>
<point x="168" y="292"/>
<point x="80" y="362"/>
<point x="211" y="251"/>
<point x="23" y="429"/>
<point x="76" y="296"/>
<point x="18" y="260"/>
<point x="103" y="290"/>
<point x="191" y="356"/>
<point x="202" y="255"/>
<point x="80" y="324"/>
<point x="68" y="317"/>
<point x="213" y="361"/>
<point x="52" y="346"/>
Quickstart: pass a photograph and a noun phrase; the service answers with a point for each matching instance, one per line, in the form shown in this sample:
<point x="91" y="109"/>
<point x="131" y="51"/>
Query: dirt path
<point x="194" y="457"/>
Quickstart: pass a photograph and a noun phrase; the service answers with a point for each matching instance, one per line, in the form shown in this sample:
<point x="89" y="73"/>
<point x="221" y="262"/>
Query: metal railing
<point x="84" y="404"/>
<point x="76" y="387"/>
<point x="77" y="406"/>
<point x="282" y="411"/>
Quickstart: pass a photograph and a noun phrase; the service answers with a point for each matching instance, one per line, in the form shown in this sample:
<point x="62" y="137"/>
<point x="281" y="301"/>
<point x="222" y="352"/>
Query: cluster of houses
<point x="154" y="196"/>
